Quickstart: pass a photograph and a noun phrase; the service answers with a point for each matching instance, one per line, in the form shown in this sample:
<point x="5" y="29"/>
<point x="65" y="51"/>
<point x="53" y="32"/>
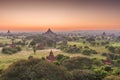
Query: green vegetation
<point x="34" y="69"/>
<point x="9" y="50"/>
<point x="76" y="58"/>
<point x="70" y="69"/>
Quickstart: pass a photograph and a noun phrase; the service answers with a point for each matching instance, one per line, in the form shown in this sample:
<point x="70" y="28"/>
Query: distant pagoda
<point x="52" y="36"/>
<point x="49" y="34"/>
<point x="8" y="32"/>
<point x="49" y="31"/>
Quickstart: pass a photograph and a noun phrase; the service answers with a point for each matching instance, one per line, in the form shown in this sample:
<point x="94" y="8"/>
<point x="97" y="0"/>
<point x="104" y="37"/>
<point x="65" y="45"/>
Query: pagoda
<point x="8" y="34"/>
<point x="52" y="36"/>
<point x="49" y="32"/>
<point x="8" y="31"/>
<point x="51" y="57"/>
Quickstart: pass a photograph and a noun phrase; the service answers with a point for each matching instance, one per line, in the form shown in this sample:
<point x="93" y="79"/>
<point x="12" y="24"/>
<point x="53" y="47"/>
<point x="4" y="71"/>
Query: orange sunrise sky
<point x="37" y="15"/>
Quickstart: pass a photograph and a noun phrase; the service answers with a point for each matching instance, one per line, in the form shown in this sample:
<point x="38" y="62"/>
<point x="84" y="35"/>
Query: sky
<point x="59" y="15"/>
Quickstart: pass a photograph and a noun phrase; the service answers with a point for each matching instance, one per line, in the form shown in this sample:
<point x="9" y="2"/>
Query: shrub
<point x="89" y="52"/>
<point x="18" y="48"/>
<point x="111" y="49"/>
<point x="70" y="49"/>
<point x="86" y="52"/>
<point x="114" y="56"/>
<point x="100" y="74"/>
<point x="9" y="50"/>
<point x="82" y="75"/>
<point x="116" y="62"/>
<point x="97" y="62"/>
<point x="116" y="71"/>
<point x="107" y="68"/>
<point x="87" y="47"/>
<point x="104" y="54"/>
<point x="60" y="57"/>
<point x="112" y="77"/>
<point x="77" y="63"/>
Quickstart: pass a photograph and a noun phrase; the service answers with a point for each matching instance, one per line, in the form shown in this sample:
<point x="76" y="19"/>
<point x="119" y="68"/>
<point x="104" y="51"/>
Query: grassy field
<point x="4" y="40"/>
<point x="116" y="44"/>
<point x="6" y="60"/>
<point x="99" y="49"/>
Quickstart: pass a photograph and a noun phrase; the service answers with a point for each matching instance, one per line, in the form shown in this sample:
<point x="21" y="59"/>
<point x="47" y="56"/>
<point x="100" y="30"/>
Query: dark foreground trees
<point x="34" y="69"/>
<point x="78" y="63"/>
<point x="75" y="68"/>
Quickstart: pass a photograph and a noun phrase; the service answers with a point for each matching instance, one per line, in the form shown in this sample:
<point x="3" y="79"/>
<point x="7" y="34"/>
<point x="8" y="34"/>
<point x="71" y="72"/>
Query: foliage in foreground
<point x="34" y="69"/>
<point x="75" y="68"/>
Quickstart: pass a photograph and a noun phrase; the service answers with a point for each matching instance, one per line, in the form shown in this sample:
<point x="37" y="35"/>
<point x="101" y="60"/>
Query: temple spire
<point x="49" y="31"/>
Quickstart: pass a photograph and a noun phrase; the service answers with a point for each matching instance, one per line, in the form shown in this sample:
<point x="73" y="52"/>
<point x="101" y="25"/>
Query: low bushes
<point x="83" y="75"/>
<point x="89" y="52"/>
<point x="9" y="50"/>
<point x="75" y="49"/>
<point x="78" y="63"/>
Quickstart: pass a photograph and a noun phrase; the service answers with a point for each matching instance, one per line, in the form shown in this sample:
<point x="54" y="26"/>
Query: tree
<point x="111" y="49"/>
<point x="34" y="49"/>
<point x="9" y="50"/>
<point x="82" y="75"/>
<point x="77" y="63"/>
<point x="32" y="43"/>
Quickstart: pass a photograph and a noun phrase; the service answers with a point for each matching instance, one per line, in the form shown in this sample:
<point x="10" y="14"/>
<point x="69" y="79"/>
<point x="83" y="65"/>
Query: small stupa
<point x="51" y="57"/>
<point x="8" y="34"/>
<point x="108" y="61"/>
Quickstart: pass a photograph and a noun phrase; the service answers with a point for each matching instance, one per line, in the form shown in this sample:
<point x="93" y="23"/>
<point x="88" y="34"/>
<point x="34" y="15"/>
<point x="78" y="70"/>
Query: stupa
<point x="51" y="57"/>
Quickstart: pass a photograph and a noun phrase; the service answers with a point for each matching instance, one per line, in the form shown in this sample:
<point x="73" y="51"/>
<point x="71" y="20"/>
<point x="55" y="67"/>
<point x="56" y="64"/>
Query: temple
<point x="51" y="57"/>
<point x="49" y="31"/>
<point x="107" y="61"/>
<point x="49" y="34"/>
<point x="52" y="36"/>
<point x="8" y="31"/>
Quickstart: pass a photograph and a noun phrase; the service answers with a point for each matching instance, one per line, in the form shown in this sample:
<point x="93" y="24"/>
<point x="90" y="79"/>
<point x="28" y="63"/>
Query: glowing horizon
<point x="60" y="16"/>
